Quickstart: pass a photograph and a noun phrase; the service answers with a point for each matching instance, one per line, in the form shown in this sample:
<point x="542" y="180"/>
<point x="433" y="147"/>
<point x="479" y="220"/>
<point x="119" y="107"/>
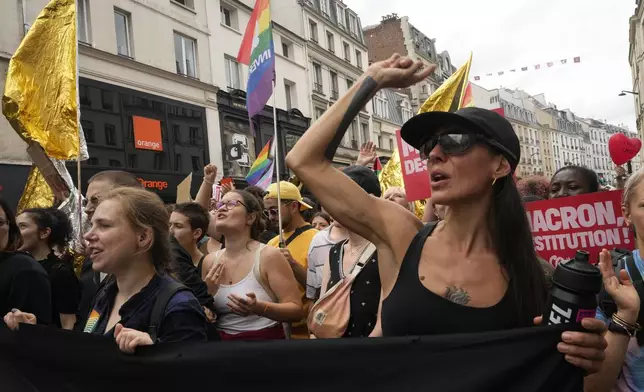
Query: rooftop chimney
<point x="390" y="17"/>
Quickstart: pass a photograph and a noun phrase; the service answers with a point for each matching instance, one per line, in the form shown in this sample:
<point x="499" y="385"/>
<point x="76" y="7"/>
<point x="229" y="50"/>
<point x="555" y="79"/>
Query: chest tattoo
<point x="457" y="295"/>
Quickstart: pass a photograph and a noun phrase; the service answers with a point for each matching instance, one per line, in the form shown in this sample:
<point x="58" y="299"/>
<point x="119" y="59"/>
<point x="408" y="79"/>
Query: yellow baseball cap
<point x="288" y="191"/>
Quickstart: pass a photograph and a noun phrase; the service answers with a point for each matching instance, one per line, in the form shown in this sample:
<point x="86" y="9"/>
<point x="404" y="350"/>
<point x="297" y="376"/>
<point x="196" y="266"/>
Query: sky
<point x="510" y="34"/>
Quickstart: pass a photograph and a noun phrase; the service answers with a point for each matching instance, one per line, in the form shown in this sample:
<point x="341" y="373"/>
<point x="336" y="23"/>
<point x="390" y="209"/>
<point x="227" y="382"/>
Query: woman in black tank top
<point x="477" y="270"/>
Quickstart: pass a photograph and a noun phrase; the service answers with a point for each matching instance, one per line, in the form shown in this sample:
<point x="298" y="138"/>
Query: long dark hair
<point x="14" y="242"/>
<point x="56" y="220"/>
<point x="253" y="207"/>
<point x="512" y="239"/>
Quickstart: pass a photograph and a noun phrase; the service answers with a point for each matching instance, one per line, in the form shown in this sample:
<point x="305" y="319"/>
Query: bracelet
<point x="620" y="321"/>
<point x="208" y="182"/>
<point x="265" y="309"/>
<point x="621" y="326"/>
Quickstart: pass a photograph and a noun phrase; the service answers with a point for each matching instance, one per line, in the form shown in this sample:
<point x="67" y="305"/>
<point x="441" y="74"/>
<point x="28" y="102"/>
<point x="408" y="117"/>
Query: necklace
<point x="232" y="272"/>
<point x="353" y="250"/>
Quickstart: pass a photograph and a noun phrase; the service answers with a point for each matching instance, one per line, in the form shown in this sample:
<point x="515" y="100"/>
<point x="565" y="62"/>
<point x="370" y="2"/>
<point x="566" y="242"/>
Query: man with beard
<point x="298" y="235"/>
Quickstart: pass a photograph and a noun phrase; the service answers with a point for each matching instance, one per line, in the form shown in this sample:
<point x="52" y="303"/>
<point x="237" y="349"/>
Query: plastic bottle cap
<point x="578" y="274"/>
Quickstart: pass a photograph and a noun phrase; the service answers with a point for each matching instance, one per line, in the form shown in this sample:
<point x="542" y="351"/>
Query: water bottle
<point x="573" y="296"/>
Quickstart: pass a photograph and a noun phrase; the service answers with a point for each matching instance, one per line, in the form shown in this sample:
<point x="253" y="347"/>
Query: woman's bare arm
<point x="279" y="275"/>
<point x="311" y="157"/>
<point x="205" y="190"/>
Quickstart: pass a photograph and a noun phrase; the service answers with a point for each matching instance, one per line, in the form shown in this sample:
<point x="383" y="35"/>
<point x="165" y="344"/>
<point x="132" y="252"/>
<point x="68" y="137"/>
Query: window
<point x="380" y="141"/>
<point x="313" y="30"/>
<point x="318" y="112"/>
<point x="324" y="7"/>
<point x="317" y="78"/>
<point x="286" y="48"/>
<point x="359" y="59"/>
<point x="194" y="136"/>
<point x="353" y="131"/>
<point x="289" y="90"/>
<point x="406" y="113"/>
<point x="380" y="106"/>
<point x="107" y="100"/>
<point x="340" y="12"/>
<point x="185" y="52"/>
<point x="134" y="161"/>
<point x="364" y="132"/>
<point x="334" y="84"/>
<point x="176" y="133"/>
<point x="186" y="3"/>
<point x="110" y="135"/>
<point x="330" y="42"/>
<point x="391" y="144"/>
<point x="196" y="163"/>
<point x="349" y="84"/>
<point x="82" y="20"/>
<point x="92" y="161"/>
<point x="177" y="162"/>
<point x="228" y="16"/>
<point x="88" y="129"/>
<point x="122" y="24"/>
<point x="159" y="162"/>
<point x="353" y="25"/>
<point x="347" y="51"/>
<point x="232" y="73"/>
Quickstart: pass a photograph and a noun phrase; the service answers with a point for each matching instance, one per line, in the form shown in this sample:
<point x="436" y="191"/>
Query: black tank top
<point x="412" y="309"/>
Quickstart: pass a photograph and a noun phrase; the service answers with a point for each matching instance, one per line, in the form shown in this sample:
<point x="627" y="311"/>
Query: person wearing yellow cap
<point x="298" y="235"/>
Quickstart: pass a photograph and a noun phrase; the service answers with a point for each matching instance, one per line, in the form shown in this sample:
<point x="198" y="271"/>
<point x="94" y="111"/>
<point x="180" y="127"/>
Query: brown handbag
<point x="329" y="316"/>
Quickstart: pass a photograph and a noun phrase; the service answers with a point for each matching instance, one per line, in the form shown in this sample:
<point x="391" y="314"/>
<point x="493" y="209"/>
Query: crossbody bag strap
<point x="296" y="233"/>
<point x="160" y="305"/>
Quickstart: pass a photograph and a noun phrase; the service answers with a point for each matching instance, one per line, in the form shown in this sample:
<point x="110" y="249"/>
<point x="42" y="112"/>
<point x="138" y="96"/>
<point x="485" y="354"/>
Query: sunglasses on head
<point x="458" y="143"/>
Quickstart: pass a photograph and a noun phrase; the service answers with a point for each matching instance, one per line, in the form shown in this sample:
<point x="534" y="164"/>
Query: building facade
<point x="391" y="109"/>
<point x="636" y="60"/>
<point x="396" y="34"/>
<point x="129" y="72"/>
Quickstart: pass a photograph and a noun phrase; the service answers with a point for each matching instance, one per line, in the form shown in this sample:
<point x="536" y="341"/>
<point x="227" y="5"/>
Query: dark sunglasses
<point x="459" y="143"/>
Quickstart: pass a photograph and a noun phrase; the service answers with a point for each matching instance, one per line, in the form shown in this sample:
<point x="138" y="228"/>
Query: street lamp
<point x="624" y="92"/>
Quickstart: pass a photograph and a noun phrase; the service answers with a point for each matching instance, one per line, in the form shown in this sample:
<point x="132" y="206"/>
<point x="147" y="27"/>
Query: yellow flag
<point x="448" y="98"/>
<point x="40" y="92"/>
<point x="37" y="193"/>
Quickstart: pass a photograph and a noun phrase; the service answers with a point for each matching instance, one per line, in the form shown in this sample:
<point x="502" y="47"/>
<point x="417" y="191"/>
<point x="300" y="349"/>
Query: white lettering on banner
<point x="144" y="143"/>
<point x="568" y="217"/>
<point x="407" y="149"/>
<point x="265" y="56"/>
<point x="416" y="165"/>
<point x="581" y="240"/>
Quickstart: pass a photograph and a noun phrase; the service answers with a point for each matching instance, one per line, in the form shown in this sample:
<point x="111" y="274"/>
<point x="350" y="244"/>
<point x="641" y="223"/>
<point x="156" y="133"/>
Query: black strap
<point x="638" y="283"/>
<point x="160" y="305"/>
<point x="296" y="233"/>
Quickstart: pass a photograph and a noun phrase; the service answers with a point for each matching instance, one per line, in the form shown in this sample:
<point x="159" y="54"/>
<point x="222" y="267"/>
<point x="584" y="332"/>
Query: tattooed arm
<point x="311" y="158"/>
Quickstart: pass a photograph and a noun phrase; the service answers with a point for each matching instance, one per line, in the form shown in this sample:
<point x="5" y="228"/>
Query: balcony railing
<point x="334" y="94"/>
<point x="317" y="87"/>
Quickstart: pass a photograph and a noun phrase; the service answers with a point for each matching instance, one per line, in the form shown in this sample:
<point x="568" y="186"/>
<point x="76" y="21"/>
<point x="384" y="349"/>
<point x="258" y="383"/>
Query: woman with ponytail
<point x="45" y="232"/>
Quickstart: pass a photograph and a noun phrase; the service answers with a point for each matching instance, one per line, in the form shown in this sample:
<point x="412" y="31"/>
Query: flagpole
<point x="276" y="140"/>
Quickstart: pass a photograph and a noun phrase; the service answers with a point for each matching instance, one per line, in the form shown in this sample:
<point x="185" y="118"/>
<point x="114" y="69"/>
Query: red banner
<point x="587" y="222"/>
<point x="414" y="171"/>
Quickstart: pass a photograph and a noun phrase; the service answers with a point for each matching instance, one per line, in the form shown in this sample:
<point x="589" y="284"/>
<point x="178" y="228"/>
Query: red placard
<point x="587" y="222"/>
<point x="414" y="171"/>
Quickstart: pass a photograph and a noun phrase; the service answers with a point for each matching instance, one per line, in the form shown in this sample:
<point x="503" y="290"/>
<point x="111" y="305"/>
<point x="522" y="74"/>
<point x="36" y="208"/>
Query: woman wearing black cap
<point x="477" y="271"/>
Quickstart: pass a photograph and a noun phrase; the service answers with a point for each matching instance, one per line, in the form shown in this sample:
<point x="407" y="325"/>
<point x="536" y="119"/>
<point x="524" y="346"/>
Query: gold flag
<point x="448" y="98"/>
<point x="37" y="193"/>
<point x="40" y="95"/>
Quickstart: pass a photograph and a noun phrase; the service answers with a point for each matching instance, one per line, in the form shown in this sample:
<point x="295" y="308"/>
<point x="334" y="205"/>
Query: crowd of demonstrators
<point x="24" y="283"/>
<point x="343" y="258"/>
<point x="129" y="240"/>
<point x="533" y="188"/>
<point x="47" y="232"/>
<point x="321" y="220"/>
<point x="462" y="268"/>
<point x="253" y="286"/>
<point x="297" y="237"/>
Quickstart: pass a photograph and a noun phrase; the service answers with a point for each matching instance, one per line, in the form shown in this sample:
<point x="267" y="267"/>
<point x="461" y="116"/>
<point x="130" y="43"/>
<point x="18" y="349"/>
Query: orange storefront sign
<point x="147" y="133"/>
<point x="160" y="185"/>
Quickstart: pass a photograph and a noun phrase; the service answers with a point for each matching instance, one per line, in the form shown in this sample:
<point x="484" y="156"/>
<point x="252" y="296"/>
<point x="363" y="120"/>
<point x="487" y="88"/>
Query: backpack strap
<point x="296" y="233"/>
<point x="160" y="305"/>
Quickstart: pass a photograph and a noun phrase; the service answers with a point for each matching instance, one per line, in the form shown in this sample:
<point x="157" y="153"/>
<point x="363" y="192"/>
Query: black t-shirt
<point x="24" y="285"/>
<point x="65" y="287"/>
<point x="90" y="281"/>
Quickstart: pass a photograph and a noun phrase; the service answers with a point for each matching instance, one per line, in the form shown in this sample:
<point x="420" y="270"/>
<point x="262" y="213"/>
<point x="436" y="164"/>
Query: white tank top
<point x="230" y="322"/>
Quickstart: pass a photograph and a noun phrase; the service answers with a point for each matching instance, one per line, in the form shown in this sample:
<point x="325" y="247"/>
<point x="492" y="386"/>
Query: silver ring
<point x="216" y="275"/>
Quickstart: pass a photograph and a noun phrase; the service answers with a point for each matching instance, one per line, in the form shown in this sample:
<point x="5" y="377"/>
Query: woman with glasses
<point x="24" y="283"/>
<point x="253" y="285"/>
<point x="474" y="271"/>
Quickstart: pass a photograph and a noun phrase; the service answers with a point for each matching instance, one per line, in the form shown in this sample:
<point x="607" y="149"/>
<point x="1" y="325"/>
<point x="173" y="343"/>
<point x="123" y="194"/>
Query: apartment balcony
<point x="318" y="89"/>
<point x="334" y="94"/>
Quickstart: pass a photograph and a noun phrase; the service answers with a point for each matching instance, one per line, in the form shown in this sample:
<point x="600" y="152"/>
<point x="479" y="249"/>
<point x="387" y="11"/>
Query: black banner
<point x="44" y="359"/>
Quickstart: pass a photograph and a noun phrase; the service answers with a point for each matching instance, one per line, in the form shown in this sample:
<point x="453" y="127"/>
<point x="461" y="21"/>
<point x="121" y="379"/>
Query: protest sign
<point x="183" y="190"/>
<point x="587" y="222"/>
<point x="414" y="171"/>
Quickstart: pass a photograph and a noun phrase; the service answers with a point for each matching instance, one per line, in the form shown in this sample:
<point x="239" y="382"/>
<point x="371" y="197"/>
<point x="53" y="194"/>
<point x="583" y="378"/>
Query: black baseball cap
<point x="365" y="177"/>
<point x="419" y="129"/>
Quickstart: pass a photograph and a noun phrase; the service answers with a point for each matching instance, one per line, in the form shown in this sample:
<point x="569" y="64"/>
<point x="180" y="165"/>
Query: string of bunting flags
<point x="537" y="67"/>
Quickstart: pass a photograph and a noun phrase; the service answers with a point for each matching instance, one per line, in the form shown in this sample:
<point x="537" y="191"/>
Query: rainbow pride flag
<point x="261" y="173"/>
<point x="258" y="53"/>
